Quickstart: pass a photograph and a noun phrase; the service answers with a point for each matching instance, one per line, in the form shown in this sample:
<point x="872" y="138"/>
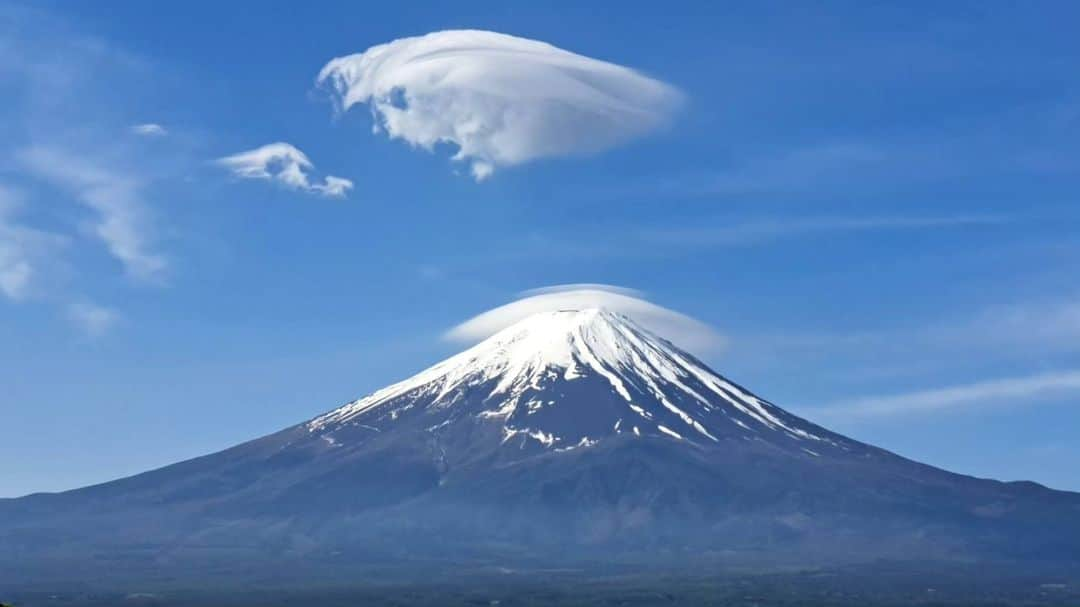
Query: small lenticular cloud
<point x="286" y="164"/>
<point x="149" y="129"/>
<point x="678" y="328"/>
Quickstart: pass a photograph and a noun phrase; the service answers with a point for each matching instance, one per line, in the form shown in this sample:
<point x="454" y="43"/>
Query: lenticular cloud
<point x="501" y="100"/>
<point x="287" y="164"/>
<point x="681" y="329"/>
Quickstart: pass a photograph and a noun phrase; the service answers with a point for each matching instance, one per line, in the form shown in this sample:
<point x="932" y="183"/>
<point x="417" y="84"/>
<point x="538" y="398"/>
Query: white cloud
<point x="116" y="198"/>
<point x="23" y="249"/>
<point x="149" y="129"/>
<point x="678" y="328"/>
<point x="753" y="232"/>
<point x="15" y="268"/>
<point x="1019" y="390"/>
<point x="92" y="319"/>
<point x="284" y="163"/>
<point x="1017" y="331"/>
<point x="334" y="186"/>
<point x="69" y="144"/>
<point x="500" y="99"/>
<point x="1047" y="324"/>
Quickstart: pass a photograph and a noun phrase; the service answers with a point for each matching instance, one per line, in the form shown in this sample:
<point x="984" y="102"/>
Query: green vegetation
<point x="881" y="585"/>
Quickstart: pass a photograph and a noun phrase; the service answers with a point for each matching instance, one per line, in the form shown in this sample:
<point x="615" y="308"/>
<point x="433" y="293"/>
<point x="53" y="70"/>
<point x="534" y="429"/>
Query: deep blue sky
<point x="871" y="201"/>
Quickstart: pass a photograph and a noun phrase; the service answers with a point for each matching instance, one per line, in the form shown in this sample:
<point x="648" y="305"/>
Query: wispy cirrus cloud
<point x="500" y="99"/>
<point x="70" y="94"/>
<point x="115" y="196"/>
<point x="1049" y="323"/>
<point x="979" y="343"/>
<point x="15" y="269"/>
<point x="286" y="164"/>
<point x="1018" y="329"/>
<point x="832" y="167"/>
<point x="23" y="249"/>
<point x="91" y="319"/>
<point x="1017" y="391"/>
<point x="748" y="232"/>
<point x="620" y="241"/>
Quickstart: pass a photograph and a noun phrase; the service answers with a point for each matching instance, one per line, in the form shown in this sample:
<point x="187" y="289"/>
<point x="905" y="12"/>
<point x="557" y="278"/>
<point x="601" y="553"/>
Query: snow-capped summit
<point x="569" y="378"/>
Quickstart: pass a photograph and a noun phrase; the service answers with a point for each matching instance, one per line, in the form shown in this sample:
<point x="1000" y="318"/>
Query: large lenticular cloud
<point x="683" y="330"/>
<point x="500" y="99"/>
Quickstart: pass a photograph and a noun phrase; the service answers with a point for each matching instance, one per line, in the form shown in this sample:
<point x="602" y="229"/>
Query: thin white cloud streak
<point x="1020" y="390"/>
<point x="15" y="266"/>
<point x="856" y="167"/>
<point x="286" y="164"/>
<point x="15" y="269"/>
<point x="17" y="244"/>
<point x="678" y="328"/>
<point x="828" y="166"/>
<point x="747" y="233"/>
<point x="824" y="165"/>
<point x="115" y="196"/>
<point x="149" y="129"/>
<point x="615" y="241"/>
<point x="24" y="250"/>
<point x="500" y="99"/>
<point x="91" y="319"/>
<point x="1052" y="324"/>
<point x="1049" y="325"/>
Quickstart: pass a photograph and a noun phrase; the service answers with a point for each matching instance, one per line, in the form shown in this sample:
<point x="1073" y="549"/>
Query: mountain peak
<point x="555" y="325"/>
<point x="561" y="338"/>
<point x="572" y="377"/>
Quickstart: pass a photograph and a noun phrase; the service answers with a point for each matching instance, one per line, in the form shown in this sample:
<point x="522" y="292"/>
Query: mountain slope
<point x="572" y="435"/>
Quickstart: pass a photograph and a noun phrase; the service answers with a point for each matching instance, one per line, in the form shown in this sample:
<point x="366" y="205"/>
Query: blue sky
<point x="874" y="204"/>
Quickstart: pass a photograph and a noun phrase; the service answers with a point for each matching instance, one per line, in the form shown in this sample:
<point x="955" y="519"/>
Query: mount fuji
<point x="573" y="436"/>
